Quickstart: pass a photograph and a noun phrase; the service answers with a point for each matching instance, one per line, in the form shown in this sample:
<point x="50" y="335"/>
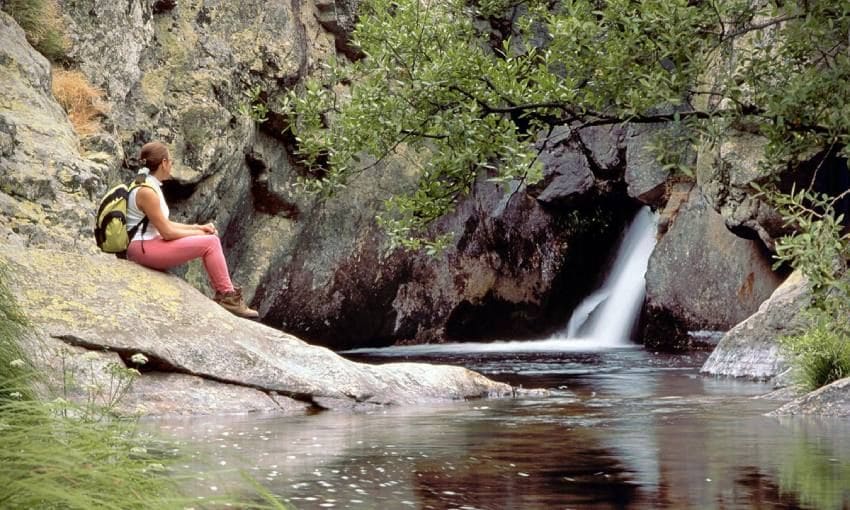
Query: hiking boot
<point x="232" y="301"/>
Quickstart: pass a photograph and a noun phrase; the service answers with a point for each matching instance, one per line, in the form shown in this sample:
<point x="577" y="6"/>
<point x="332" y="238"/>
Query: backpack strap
<point x="144" y="223"/>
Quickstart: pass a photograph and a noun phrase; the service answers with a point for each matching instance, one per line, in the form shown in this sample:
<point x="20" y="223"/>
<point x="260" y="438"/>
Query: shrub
<point x="821" y="353"/>
<point x="821" y="251"/>
<point x="42" y="22"/>
<point x="82" y="101"/>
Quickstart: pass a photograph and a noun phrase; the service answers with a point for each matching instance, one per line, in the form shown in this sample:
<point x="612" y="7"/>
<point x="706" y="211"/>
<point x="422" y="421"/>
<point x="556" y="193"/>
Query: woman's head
<point x="156" y="158"/>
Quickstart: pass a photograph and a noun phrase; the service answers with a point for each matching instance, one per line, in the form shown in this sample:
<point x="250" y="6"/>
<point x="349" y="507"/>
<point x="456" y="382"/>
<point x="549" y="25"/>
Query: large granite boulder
<point x="751" y="349"/>
<point x="112" y="307"/>
<point x="568" y="178"/>
<point x="46" y="186"/>
<point x="701" y="276"/>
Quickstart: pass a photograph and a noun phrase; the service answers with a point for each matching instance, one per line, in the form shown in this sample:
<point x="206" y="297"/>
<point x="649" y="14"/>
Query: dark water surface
<point x="622" y="429"/>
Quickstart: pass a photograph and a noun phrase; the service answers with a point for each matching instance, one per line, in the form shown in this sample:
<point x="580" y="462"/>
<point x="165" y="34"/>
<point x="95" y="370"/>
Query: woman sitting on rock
<point x="163" y="244"/>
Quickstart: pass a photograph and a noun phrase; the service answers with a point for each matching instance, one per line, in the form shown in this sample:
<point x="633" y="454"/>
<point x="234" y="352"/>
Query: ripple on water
<point x="629" y="430"/>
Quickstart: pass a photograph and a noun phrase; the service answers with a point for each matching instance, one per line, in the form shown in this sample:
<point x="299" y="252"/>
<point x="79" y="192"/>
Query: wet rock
<point x="831" y="400"/>
<point x="73" y="298"/>
<point x="751" y="348"/>
<point x="155" y="393"/>
<point x="701" y="276"/>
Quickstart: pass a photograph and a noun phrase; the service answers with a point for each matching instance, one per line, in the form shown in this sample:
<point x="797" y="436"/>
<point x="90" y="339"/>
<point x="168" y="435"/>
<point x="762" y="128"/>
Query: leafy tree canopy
<point x="477" y="86"/>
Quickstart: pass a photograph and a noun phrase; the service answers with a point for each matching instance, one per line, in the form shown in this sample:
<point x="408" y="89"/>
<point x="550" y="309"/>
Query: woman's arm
<point x="208" y="228"/>
<point x="148" y="201"/>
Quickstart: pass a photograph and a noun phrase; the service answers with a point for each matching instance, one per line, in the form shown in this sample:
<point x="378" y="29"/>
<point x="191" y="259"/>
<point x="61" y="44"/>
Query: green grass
<point x="16" y="372"/>
<point x="821" y="354"/>
<point x="48" y="460"/>
<point x="42" y="22"/>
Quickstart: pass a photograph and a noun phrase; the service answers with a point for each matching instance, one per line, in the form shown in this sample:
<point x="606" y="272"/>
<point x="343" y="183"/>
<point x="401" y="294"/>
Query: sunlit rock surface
<point x="751" y="348"/>
<point x="110" y="306"/>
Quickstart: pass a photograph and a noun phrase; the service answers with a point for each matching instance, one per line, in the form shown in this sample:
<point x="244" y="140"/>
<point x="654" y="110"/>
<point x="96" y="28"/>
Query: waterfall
<point x="609" y="314"/>
<point x="604" y="320"/>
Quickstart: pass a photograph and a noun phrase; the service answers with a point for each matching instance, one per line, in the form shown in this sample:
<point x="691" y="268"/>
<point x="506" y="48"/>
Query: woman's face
<point x="165" y="167"/>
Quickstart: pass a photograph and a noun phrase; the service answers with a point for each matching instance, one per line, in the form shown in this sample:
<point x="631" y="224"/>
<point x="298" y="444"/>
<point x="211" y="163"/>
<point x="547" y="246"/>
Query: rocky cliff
<point x="521" y="258"/>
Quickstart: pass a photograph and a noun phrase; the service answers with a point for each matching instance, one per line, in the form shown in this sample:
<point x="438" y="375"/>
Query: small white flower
<point x="17" y="363"/>
<point x="139" y="358"/>
<point x="15" y="394"/>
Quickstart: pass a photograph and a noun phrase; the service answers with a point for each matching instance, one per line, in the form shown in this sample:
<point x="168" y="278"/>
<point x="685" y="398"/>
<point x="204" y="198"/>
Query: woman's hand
<point x="209" y="228"/>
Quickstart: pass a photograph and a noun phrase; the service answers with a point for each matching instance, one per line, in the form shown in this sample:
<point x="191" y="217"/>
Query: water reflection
<point x="625" y="430"/>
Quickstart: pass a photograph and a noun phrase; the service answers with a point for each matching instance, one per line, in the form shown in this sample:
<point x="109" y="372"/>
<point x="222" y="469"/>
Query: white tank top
<point x="135" y="215"/>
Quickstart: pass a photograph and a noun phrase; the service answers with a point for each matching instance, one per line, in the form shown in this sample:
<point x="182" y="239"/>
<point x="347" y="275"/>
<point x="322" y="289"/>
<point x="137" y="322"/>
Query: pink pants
<point x="161" y="254"/>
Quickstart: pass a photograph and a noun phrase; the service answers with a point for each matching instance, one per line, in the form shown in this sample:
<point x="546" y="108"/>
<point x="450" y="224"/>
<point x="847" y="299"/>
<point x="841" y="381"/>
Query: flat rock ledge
<point x="90" y="312"/>
<point x="831" y="400"/>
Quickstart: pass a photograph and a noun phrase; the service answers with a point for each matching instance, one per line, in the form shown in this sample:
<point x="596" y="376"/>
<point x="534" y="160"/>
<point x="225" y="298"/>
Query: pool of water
<point x="622" y="428"/>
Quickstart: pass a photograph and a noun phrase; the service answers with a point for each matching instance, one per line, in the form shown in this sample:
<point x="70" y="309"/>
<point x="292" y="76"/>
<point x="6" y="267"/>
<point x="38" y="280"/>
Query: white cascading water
<point x="608" y="315"/>
<point x="604" y="319"/>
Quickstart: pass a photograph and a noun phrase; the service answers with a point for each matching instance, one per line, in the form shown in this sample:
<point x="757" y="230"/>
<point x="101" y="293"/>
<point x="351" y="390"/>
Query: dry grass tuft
<point x="81" y="100"/>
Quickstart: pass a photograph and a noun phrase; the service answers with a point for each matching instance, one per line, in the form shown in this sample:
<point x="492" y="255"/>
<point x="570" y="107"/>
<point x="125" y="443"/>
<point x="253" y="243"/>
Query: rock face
<point x="701" y="276"/>
<point x="104" y="304"/>
<point x="181" y="71"/>
<point x="831" y="400"/>
<point x="751" y="348"/>
<point x="46" y="186"/>
<point x="725" y="174"/>
<point x="335" y="283"/>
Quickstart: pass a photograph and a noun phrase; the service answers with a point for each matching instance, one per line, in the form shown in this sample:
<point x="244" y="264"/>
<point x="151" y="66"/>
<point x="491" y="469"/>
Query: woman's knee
<point x="212" y="242"/>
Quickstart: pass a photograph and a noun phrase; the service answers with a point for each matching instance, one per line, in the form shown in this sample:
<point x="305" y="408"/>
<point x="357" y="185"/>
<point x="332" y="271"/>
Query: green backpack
<point x="110" y="228"/>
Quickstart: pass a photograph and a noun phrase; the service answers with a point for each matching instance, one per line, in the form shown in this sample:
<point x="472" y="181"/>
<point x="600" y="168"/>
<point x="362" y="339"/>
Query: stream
<point x="622" y="428"/>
